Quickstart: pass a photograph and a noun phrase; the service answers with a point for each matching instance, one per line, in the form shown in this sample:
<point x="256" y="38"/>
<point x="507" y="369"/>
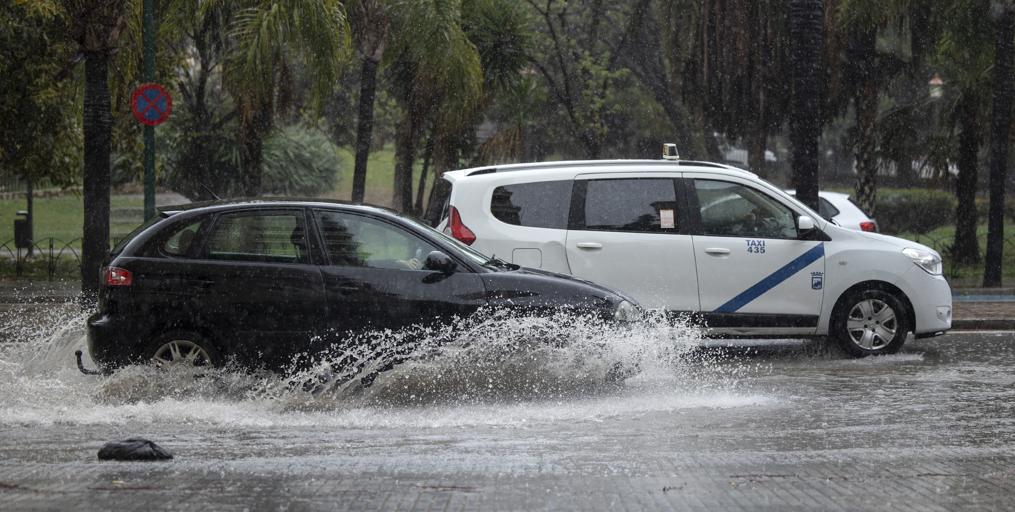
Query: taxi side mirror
<point x="440" y="262"/>
<point x="804" y="224"/>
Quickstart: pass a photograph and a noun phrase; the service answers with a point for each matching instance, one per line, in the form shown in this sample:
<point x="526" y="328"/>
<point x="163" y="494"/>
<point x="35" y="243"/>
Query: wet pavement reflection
<point x="773" y="424"/>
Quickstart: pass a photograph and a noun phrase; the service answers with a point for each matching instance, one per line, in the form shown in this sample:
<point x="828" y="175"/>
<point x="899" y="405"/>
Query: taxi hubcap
<point x="181" y="352"/>
<point x="871" y="324"/>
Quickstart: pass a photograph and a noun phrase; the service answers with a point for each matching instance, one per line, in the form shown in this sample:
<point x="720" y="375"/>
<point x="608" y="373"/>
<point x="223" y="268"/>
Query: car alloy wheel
<point x="183" y="352"/>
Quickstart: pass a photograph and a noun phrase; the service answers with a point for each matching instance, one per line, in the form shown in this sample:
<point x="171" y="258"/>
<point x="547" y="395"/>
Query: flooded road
<point x="783" y="425"/>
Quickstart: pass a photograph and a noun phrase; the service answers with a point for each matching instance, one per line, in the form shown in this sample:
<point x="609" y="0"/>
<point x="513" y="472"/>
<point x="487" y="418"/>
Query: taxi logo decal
<point x="756" y="246"/>
<point x="773" y="280"/>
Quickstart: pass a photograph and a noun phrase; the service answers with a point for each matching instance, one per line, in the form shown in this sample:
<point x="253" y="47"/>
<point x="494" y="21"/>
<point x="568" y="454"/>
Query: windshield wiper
<point x="497" y="262"/>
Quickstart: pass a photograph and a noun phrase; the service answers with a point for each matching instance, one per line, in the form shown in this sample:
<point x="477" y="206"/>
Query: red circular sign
<point x="151" y="104"/>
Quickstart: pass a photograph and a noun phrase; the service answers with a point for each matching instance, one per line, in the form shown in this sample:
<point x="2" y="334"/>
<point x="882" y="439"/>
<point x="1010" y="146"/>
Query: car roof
<point x="269" y="202"/>
<point x="602" y="165"/>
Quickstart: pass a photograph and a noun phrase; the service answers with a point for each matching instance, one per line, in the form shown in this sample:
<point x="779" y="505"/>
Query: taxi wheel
<point x="181" y="348"/>
<point x="870" y="322"/>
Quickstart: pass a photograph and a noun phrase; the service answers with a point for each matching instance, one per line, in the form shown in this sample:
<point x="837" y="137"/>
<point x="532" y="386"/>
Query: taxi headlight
<point x="927" y="260"/>
<point x="626" y="312"/>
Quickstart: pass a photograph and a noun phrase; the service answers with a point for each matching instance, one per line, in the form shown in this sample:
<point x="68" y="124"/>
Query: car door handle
<point x="717" y="251"/>
<point x="202" y="283"/>
<point x="590" y="245"/>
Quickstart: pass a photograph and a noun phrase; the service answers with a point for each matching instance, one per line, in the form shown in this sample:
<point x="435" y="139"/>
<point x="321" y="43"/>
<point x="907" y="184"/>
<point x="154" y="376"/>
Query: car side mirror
<point x="804" y="224"/>
<point x="440" y="262"/>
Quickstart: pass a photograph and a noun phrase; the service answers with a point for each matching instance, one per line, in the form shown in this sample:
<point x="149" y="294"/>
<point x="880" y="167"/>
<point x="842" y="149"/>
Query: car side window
<point x="278" y="237"/>
<point x="178" y="245"/>
<point x="359" y="241"/>
<point x="826" y="210"/>
<point x="542" y="204"/>
<point x="731" y="209"/>
<point x="641" y="205"/>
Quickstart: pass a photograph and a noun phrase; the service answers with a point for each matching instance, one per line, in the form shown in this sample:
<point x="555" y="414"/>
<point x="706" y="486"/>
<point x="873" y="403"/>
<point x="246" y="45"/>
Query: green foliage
<point x="40" y="124"/>
<point x="914" y="210"/>
<point x="983" y="207"/>
<point x="300" y="161"/>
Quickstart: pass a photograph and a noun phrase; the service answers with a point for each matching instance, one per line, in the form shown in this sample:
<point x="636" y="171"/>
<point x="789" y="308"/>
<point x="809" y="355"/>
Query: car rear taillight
<point x="869" y="226"/>
<point x="458" y="229"/>
<point x="116" y="276"/>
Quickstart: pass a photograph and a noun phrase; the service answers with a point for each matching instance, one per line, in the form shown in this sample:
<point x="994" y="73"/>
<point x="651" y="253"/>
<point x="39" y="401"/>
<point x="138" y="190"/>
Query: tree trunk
<point x="253" y="129"/>
<point x="1000" y="122"/>
<point x="405" y="154"/>
<point x="866" y="105"/>
<point x="427" y="158"/>
<point x="807" y="40"/>
<point x="364" y="127"/>
<point x="97" y="125"/>
<point x="965" y="249"/>
<point x="757" y="140"/>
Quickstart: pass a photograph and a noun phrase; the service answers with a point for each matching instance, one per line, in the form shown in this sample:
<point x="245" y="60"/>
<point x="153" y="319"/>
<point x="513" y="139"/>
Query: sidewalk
<point x="976" y="309"/>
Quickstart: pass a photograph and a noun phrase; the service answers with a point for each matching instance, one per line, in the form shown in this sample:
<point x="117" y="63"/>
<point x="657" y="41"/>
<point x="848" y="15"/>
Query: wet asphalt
<point x="779" y="425"/>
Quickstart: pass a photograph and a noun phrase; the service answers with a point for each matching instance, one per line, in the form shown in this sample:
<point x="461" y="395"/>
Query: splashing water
<point x="493" y="367"/>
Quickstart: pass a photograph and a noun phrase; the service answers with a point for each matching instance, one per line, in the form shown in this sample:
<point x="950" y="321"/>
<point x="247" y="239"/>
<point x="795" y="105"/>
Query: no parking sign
<point x="151" y="104"/>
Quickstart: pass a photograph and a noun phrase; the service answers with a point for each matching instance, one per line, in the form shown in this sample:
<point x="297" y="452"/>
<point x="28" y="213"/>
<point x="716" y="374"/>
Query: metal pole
<point x="148" y="31"/>
<point x="31" y="214"/>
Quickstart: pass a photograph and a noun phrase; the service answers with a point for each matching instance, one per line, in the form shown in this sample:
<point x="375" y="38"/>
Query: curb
<point x="983" y="324"/>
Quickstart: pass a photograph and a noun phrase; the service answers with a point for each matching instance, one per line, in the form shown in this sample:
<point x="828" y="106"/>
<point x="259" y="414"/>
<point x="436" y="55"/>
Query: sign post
<point x="148" y="34"/>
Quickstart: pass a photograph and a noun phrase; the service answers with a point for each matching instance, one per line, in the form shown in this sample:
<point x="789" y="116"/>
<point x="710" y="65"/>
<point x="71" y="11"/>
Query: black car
<point x="259" y="282"/>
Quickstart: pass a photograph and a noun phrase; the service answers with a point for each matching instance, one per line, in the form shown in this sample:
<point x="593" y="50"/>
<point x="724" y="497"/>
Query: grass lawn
<point x="61" y="217"/>
<point x="380" y="176"/>
<point x="969" y="275"/>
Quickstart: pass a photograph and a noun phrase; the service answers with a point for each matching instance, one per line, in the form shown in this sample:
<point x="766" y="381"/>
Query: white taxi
<point x="705" y="240"/>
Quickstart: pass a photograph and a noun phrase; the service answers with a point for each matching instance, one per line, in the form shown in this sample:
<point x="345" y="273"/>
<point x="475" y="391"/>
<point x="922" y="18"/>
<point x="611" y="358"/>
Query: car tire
<point x="182" y="348"/>
<point x="870" y="322"/>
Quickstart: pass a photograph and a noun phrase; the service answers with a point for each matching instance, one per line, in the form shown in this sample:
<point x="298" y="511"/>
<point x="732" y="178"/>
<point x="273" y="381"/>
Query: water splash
<point x="493" y="367"/>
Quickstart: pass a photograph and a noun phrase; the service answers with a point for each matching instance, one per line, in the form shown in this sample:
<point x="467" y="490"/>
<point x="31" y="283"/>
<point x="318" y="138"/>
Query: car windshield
<point x="465" y="250"/>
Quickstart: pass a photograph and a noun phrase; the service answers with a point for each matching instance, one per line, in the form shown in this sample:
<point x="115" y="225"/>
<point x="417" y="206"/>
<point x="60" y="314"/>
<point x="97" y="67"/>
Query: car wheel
<point x="182" y="349"/>
<point x="870" y="322"/>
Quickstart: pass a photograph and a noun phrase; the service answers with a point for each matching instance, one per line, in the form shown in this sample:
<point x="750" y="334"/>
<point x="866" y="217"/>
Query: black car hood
<point x="549" y="288"/>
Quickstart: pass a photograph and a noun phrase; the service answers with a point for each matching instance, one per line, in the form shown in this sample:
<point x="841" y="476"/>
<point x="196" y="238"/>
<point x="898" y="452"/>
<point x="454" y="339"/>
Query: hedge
<point x="914" y="210"/>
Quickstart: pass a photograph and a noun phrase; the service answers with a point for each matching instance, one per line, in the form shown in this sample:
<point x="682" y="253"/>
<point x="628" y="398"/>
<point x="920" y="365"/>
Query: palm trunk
<point x="97" y="125"/>
<point x="405" y="155"/>
<point x="1000" y="122"/>
<point x="427" y="158"/>
<point x="866" y="157"/>
<point x="807" y="40"/>
<point x="965" y="249"/>
<point x="253" y="129"/>
<point x="756" y="142"/>
<point x="364" y="127"/>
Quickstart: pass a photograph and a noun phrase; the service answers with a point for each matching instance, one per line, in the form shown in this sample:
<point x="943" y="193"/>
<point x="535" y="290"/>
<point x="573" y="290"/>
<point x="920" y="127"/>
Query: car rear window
<point x="268" y="237"/>
<point x="826" y="209"/>
<point x="437" y="208"/>
<point x="543" y="204"/>
<point x="644" y="205"/>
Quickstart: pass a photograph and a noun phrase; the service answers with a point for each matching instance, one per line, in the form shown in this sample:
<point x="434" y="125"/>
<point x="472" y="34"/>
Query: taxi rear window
<point x="542" y="204"/>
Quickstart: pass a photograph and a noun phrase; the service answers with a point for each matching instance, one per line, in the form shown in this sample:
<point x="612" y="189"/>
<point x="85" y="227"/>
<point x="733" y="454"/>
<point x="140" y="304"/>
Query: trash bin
<point x="22" y="231"/>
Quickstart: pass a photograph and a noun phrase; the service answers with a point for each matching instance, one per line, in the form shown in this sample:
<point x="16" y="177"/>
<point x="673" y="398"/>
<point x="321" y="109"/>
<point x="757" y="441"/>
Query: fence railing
<point x="50" y="251"/>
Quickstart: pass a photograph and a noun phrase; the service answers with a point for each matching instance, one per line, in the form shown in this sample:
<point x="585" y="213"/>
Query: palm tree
<point x="807" y="42"/>
<point x="265" y="36"/>
<point x="1000" y="122"/>
<point x="370" y="24"/>
<point x="433" y="66"/>
<point x="96" y="26"/>
<point x="965" y="54"/>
